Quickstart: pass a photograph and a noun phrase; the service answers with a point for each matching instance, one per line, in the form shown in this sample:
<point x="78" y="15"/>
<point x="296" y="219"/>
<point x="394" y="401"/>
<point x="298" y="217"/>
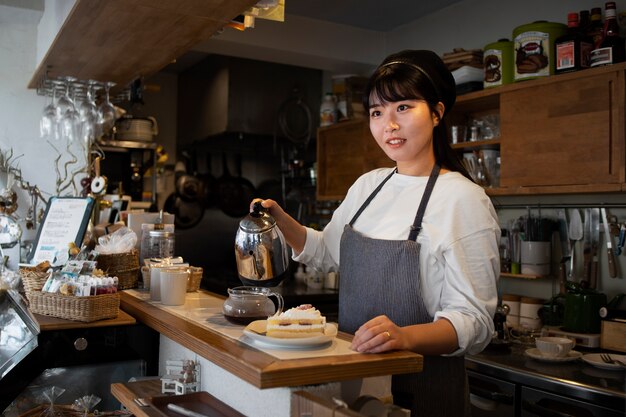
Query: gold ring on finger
<point x="387" y="334"/>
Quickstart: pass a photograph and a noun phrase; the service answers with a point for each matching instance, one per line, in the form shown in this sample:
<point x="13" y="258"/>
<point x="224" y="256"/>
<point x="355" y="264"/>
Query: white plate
<point x="536" y="354"/>
<point x="253" y="329"/>
<point x="595" y="360"/>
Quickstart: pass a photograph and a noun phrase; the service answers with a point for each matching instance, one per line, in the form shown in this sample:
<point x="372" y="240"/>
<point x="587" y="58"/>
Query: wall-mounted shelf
<point x="523" y="276"/>
<point x="121" y="40"/>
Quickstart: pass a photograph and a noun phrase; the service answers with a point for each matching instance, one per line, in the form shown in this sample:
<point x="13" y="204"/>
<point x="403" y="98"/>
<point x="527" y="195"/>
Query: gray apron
<point x="382" y="277"/>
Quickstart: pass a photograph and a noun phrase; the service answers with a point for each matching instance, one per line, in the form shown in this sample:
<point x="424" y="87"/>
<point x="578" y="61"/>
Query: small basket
<point x="124" y="266"/>
<point x="195" y="277"/>
<point x="33" y="280"/>
<point x="86" y="309"/>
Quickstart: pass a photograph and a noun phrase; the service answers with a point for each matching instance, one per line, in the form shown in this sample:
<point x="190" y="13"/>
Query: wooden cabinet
<point x="559" y="135"/>
<point x="563" y="134"/>
<point x="344" y="152"/>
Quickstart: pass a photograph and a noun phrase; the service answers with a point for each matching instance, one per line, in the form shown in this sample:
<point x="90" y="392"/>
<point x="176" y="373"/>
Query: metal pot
<point x="260" y="249"/>
<point x="142" y="129"/>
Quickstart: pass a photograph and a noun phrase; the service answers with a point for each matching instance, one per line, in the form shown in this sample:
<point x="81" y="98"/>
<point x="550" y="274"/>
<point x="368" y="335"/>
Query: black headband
<point x="421" y="70"/>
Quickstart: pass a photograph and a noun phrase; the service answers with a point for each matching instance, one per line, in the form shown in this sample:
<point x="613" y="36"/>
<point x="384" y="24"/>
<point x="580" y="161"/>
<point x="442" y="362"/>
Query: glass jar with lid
<point x="158" y="244"/>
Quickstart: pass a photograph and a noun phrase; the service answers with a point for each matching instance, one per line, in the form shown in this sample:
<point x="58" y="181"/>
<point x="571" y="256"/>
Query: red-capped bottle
<point x="573" y="49"/>
<point x="612" y="49"/>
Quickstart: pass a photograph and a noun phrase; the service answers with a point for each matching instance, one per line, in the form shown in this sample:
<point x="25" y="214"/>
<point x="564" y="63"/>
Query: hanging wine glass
<point x="89" y="115"/>
<point x="48" y="124"/>
<point x="107" y="110"/>
<point x="70" y="118"/>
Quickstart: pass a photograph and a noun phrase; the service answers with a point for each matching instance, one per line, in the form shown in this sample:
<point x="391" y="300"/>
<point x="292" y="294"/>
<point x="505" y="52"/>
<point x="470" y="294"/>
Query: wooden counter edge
<point x="263" y="370"/>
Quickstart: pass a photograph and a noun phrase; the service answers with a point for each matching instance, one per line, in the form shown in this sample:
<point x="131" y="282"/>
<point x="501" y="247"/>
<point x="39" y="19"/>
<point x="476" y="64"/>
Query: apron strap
<point x="371" y="197"/>
<point x="416" y="228"/>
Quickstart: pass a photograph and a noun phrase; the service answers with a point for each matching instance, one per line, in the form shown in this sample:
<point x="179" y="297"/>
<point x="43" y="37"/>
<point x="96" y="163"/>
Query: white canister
<point x="155" y="283"/>
<point x="529" y="313"/>
<point x="513" y="302"/>
<point x="535" y="258"/>
<point x="173" y="286"/>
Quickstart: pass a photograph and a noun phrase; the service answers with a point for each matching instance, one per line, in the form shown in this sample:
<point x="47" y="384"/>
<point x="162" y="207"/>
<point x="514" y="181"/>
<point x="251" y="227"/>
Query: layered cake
<point x="302" y="321"/>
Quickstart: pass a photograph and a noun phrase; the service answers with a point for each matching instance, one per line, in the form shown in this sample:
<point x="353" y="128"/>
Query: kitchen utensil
<point x="620" y="242"/>
<point x="595" y="241"/>
<point x="609" y="245"/>
<point x="260" y="249"/>
<point x="234" y="193"/>
<point x="247" y="304"/>
<point x="606" y="358"/>
<point x="142" y="129"/>
<point x="208" y="182"/>
<point x="587" y="257"/>
<point x="575" y="234"/>
<point x="186" y="213"/>
<point x="595" y="359"/>
<point x="566" y="248"/>
<point x="554" y="347"/>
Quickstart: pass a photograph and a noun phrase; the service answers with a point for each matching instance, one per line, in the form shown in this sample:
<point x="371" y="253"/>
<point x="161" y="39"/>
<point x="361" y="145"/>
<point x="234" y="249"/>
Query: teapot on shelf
<point x="260" y="250"/>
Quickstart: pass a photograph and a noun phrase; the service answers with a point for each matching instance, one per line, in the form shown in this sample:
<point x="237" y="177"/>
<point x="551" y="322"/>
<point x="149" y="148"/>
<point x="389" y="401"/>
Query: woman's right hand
<point x="294" y="232"/>
<point x="270" y="206"/>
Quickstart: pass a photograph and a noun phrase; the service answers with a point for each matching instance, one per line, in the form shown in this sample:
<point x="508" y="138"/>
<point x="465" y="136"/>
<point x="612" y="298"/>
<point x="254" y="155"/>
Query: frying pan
<point x="234" y="193"/>
<point x="186" y="213"/>
<point x="208" y="183"/>
<point x="189" y="187"/>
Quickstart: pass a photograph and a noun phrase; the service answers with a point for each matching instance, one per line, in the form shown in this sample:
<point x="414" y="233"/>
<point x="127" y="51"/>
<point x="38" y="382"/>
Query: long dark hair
<point x="401" y="81"/>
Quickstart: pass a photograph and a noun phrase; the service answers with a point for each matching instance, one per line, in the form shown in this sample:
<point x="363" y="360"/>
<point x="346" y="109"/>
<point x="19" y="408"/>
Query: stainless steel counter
<point x="576" y="379"/>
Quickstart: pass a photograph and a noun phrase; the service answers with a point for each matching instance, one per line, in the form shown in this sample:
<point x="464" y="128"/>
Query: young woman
<point x="416" y="245"/>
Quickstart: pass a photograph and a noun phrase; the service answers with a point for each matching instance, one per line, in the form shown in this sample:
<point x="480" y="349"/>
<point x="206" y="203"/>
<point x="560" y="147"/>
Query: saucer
<point x="536" y="354"/>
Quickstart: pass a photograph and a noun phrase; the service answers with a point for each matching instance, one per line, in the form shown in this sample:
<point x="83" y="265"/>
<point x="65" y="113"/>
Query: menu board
<point x="65" y="221"/>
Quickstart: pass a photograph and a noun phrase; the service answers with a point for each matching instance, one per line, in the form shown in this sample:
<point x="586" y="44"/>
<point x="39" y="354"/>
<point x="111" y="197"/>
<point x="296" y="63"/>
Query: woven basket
<point x="195" y="277"/>
<point x="124" y="266"/>
<point x="33" y="280"/>
<point x="86" y="309"/>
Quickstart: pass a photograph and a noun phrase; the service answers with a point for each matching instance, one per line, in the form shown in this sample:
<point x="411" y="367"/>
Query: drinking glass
<point x="70" y="118"/>
<point x="89" y="115"/>
<point x="107" y="110"/>
<point x="48" y="124"/>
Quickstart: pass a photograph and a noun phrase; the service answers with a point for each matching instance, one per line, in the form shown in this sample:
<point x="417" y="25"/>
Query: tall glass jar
<point x="158" y="244"/>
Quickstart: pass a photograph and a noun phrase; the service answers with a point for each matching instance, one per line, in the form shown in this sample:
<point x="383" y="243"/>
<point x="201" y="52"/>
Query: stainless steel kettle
<point x="260" y="249"/>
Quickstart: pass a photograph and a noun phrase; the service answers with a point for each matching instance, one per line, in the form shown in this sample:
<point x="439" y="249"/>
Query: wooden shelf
<point x="121" y="40"/>
<point x="523" y="276"/>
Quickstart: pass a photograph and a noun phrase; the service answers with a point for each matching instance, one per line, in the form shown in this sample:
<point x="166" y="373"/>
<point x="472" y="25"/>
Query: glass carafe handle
<point x="280" y="303"/>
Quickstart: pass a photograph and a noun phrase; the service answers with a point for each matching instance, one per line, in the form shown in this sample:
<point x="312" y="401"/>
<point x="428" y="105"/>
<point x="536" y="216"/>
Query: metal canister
<point x="533" y="44"/>
<point x="498" y="63"/>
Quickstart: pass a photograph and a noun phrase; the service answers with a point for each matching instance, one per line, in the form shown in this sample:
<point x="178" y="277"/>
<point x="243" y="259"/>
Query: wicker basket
<point x="33" y="280"/>
<point x="124" y="266"/>
<point x="86" y="309"/>
<point x="195" y="277"/>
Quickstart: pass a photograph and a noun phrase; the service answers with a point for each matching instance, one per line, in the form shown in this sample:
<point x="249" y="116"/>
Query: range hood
<point x="221" y="95"/>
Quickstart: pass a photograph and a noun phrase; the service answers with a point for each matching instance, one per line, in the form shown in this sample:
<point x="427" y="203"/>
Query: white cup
<point x="173" y="286"/>
<point x="529" y="313"/>
<point x="554" y="347"/>
<point x="535" y="258"/>
<point x="155" y="283"/>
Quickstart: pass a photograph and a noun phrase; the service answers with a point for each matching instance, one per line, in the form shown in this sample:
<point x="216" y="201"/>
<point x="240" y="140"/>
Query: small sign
<point x="65" y="220"/>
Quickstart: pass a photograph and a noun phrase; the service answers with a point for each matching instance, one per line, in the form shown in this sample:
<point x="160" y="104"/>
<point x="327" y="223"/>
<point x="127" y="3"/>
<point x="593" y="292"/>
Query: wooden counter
<point x="47" y="323"/>
<point x="259" y="368"/>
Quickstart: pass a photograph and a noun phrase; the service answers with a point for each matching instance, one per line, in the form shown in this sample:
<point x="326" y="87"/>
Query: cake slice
<point x="302" y="321"/>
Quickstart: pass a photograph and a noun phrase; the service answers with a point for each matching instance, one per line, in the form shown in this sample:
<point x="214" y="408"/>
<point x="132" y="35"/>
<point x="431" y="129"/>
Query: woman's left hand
<point x="379" y="334"/>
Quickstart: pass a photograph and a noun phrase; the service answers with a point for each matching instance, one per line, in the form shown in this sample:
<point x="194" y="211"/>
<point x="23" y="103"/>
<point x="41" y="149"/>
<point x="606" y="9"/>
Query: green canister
<point x="533" y="44"/>
<point x="498" y="63"/>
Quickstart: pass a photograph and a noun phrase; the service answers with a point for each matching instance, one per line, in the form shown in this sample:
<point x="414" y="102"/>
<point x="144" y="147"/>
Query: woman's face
<point x="404" y="131"/>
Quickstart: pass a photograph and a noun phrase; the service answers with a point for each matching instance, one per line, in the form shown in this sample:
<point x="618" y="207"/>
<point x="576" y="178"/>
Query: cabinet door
<point x="344" y="152"/>
<point x="568" y="132"/>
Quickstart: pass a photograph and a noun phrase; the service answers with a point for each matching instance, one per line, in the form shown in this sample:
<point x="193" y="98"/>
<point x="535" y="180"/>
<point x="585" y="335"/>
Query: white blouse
<point x="459" y="257"/>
